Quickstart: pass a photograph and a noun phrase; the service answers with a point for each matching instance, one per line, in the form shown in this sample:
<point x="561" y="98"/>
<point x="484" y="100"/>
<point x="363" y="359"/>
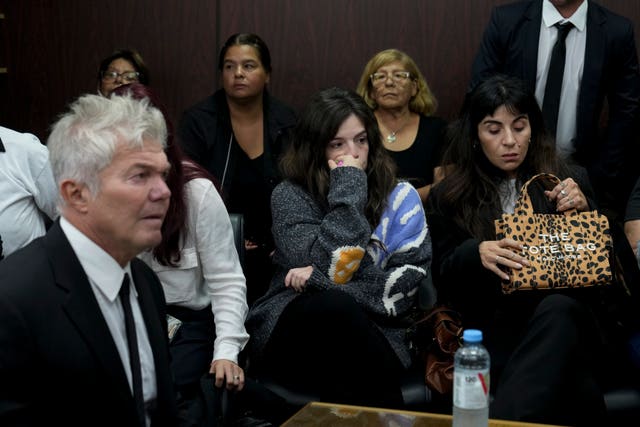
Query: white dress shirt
<point x="573" y="68"/>
<point x="105" y="276"/>
<point x="209" y="271"/>
<point x="27" y="189"/>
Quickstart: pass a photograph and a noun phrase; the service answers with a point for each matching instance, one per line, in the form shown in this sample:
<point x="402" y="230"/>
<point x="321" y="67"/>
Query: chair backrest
<point x="237" y="225"/>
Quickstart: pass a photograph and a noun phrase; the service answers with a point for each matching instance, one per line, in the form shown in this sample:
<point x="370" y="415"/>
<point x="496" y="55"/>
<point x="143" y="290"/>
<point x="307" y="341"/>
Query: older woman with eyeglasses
<point x="122" y="67"/>
<point x="393" y="86"/>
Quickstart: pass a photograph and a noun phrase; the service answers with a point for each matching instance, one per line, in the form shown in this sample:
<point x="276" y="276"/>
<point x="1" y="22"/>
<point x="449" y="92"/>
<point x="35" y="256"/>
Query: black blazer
<point x="510" y="46"/>
<point x="58" y="362"/>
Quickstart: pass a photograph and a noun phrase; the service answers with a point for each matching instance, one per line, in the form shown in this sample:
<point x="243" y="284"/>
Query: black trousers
<point x="326" y="343"/>
<point x="546" y="369"/>
<point x="192" y="347"/>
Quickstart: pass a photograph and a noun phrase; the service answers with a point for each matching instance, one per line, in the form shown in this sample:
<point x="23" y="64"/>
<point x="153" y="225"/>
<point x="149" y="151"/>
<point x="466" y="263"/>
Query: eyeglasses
<point x="397" y="76"/>
<point x="127" y="76"/>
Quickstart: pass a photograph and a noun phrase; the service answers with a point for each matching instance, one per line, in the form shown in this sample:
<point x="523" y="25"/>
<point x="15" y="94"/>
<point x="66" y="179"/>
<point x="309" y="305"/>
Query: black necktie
<point x="134" y="356"/>
<point x="551" y="101"/>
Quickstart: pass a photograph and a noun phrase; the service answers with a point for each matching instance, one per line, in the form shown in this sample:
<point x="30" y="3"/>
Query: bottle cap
<point x="472" y="335"/>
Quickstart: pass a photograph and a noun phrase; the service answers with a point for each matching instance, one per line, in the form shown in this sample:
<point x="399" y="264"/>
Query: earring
<point x="474" y="145"/>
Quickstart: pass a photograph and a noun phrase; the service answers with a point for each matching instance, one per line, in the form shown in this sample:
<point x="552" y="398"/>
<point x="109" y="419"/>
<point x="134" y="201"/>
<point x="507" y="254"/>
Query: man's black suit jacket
<point x="58" y="362"/>
<point x="510" y="46"/>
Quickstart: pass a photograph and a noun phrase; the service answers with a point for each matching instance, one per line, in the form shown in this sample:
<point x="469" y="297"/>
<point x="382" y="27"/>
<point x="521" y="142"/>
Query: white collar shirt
<point x="28" y="192"/>
<point x="573" y="69"/>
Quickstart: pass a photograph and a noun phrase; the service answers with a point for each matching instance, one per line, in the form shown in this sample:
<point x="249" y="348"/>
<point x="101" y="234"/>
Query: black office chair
<point x="237" y="225"/>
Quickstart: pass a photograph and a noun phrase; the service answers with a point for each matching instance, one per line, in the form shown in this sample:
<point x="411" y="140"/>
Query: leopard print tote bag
<point x="566" y="250"/>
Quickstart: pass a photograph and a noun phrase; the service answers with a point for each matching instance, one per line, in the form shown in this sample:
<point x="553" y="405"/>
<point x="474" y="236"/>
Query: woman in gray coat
<point x="351" y="247"/>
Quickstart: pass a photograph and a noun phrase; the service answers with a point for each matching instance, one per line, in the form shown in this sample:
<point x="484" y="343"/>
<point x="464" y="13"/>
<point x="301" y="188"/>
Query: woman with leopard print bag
<point x="545" y="346"/>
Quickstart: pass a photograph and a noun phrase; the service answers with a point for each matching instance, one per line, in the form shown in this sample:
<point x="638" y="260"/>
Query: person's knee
<point x="568" y="317"/>
<point x="559" y="305"/>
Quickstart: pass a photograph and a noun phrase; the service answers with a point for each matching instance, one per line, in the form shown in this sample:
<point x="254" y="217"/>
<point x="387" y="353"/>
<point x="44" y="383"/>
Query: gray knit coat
<point x="308" y="233"/>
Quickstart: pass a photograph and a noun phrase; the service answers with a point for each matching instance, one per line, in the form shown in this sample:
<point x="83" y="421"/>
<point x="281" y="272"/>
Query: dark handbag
<point x="435" y="337"/>
<point x="567" y="250"/>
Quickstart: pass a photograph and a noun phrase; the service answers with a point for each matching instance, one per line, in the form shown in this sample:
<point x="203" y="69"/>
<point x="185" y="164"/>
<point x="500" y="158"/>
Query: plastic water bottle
<point x="471" y="382"/>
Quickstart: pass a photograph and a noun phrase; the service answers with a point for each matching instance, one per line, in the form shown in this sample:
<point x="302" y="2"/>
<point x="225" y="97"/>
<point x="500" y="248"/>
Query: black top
<point x="251" y="196"/>
<point x="416" y="163"/>
<point x="205" y="134"/>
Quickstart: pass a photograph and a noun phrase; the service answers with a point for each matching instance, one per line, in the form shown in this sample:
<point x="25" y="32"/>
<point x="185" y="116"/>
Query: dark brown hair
<point x="131" y="55"/>
<point x="248" y="39"/>
<point x="470" y="188"/>
<point x="305" y="160"/>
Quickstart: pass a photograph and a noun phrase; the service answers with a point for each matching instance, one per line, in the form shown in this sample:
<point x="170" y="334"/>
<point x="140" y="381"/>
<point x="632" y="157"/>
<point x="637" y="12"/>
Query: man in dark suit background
<point x="73" y="352"/>
<point x="601" y="65"/>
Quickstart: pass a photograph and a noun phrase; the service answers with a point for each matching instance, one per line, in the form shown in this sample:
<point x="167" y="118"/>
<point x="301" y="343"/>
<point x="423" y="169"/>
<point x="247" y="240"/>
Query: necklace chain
<point x="393" y="136"/>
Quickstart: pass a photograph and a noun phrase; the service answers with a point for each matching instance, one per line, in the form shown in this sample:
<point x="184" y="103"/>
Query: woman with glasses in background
<point x="393" y="86"/>
<point x="122" y="67"/>
<point x="237" y="134"/>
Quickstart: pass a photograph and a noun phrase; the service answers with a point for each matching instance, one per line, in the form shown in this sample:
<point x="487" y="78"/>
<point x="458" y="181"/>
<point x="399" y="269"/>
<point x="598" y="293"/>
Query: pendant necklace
<point x="393" y="136"/>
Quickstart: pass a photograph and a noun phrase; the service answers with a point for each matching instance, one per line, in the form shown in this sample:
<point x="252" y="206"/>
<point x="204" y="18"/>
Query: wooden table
<point x="330" y="415"/>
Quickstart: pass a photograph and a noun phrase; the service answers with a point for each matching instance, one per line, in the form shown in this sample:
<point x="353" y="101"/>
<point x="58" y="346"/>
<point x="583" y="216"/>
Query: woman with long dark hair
<point x="544" y="345"/>
<point x="351" y="247"/>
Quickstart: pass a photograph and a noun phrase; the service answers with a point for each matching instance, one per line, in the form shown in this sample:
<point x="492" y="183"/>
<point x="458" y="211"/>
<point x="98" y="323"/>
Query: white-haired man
<point x="83" y="337"/>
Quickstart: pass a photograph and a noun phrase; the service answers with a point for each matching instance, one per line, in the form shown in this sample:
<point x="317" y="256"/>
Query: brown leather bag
<point x="436" y="337"/>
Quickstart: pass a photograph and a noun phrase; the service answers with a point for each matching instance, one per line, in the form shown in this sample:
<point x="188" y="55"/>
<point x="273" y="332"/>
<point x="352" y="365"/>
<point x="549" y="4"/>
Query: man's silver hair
<point x="83" y="140"/>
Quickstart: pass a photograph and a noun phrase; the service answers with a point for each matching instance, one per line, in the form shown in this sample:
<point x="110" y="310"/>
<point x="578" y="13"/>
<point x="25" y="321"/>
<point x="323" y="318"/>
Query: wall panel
<point x="53" y="47"/>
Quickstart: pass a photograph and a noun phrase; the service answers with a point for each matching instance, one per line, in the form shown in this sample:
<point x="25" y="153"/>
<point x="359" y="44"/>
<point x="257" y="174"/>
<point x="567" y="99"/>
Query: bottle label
<point x="470" y="388"/>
